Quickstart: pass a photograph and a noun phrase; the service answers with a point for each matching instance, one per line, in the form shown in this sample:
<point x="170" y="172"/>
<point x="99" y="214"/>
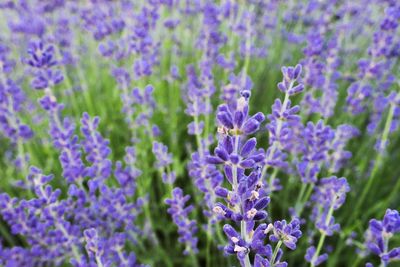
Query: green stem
<point x="247" y="261"/>
<point x="323" y="235"/>
<point x="194" y="259"/>
<point x="272" y="177"/>
<point x="300" y="196"/>
<point x="208" y="252"/>
<point x="5" y="233"/>
<point x="221" y="237"/>
<point x="276" y="250"/>
<point x="320" y="244"/>
<point x="98" y="261"/>
<point x="305" y="199"/>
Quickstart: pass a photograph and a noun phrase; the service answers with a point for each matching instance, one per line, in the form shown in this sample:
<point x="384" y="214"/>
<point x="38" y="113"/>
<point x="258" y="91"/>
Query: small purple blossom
<point x="186" y="228"/>
<point x="41" y="58"/>
<point x="288" y="233"/>
<point x="378" y="235"/>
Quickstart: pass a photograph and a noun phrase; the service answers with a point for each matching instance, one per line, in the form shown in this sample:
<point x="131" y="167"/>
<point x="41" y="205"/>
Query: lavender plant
<point x="151" y="133"/>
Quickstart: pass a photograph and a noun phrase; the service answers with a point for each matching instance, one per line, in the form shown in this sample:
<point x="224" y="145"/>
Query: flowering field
<point x="199" y="133"/>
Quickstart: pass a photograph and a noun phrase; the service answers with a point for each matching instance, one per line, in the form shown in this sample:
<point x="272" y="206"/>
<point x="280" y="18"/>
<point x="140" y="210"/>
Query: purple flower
<point x="317" y="138"/>
<point x="163" y="162"/>
<point x="97" y="152"/>
<point x="12" y="104"/>
<point x="126" y="176"/>
<point x="41" y="58"/>
<point x="338" y="156"/>
<point x="163" y="158"/>
<point x="247" y="196"/>
<point x="375" y="72"/>
<point x="236" y="84"/>
<point x="310" y="257"/>
<point x="180" y="214"/>
<point x="52" y="223"/>
<point x="207" y="178"/>
<point x="321" y="64"/>
<point x="329" y="196"/>
<point x="288" y="233"/>
<point x="65" y="140"/>
<point x="237" y="121"/>
<point x="144" y="100"/>
<point x="283" y="121"/>
<point x="290" y="76"/>
<point x="199" y="91"/>
<point x="378" y="235"/>
<point x="102" y="250"/>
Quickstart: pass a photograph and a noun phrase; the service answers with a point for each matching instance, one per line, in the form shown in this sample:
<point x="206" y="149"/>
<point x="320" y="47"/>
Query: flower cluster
<point x="238" y="181"/>
<point x="186" y="228"/>
<point x="163" y="161"/>
<point x="329" y="196"/>
<point x="378" y="235"/>
<point x="54" y="225"/>
<point x="42" y="60"/>
<point x="12" y="106"/>
<point x="283" y="121"/>
<point x="247" y="197"/>
<point x="317" y="139"/>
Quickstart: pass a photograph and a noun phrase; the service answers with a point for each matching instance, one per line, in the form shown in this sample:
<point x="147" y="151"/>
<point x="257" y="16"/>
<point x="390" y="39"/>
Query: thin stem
<point x="98" y="261"/>
<point x="194" y="259"/>
<point x="385" y="250"/>
<point x="323" y="235"/>
<point x="320" y="244"/>
<point x="272" y="177"/>
<point x="299" y="202"/>
<point x="357" y="261"/>
<point x="304" y="200"/>
<point x="5" y="233"/>
<point x="276" y="250"/>
<point x="246" y="261"/>
<point x="300" y="196"/>
<point x="208" y="251"/>
<point x="243" y="232"/>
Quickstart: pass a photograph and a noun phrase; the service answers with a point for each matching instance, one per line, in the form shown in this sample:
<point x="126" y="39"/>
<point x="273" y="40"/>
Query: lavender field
<point x="253" y="133"/>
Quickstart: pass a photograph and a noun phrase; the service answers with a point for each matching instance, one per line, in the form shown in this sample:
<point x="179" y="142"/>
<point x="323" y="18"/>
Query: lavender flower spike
<point x="281" y="121"/>
<point x="288" y="233"/>
<point x="328" y="197"/>
<point x="163" y="162"/>
<point x="247" y="197"/>
<point x="186" y="228"/>
<point x="379" y="234"/>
